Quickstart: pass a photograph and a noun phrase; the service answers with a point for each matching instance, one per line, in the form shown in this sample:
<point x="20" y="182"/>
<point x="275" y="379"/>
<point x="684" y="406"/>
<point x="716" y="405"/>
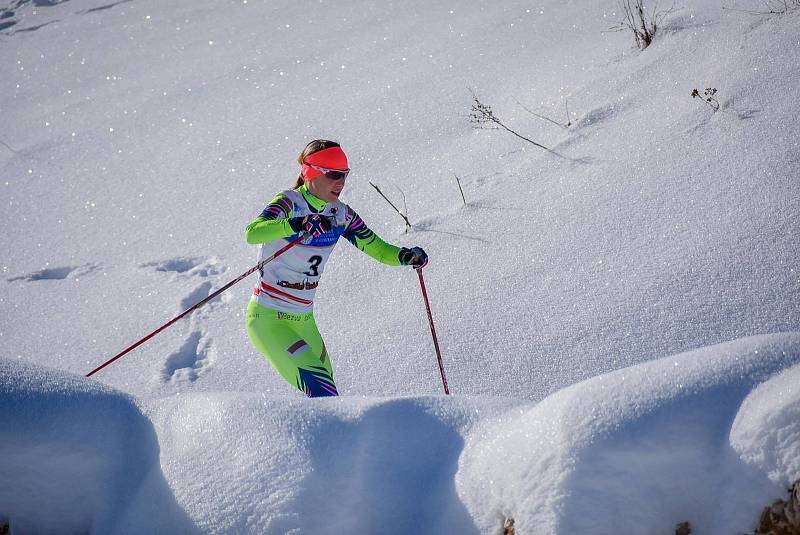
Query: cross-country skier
<point x="280" y="316"/>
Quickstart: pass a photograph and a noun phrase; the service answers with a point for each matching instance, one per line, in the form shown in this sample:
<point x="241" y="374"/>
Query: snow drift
<point x="643" y="448"/>
<point x="347" y="465"/>
<point x="77" y="456"/>
<point x="709" y="436"/>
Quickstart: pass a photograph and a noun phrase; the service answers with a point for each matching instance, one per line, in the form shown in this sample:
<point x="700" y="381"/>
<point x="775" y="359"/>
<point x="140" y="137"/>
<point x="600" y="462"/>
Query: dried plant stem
<point x="643" y="26"/>
<point x="6" y="145"/>
<point x="532" y="142"/>
<point x="709" y="98"/>
<point x="566" y="110"/>
<point x="482" y="114"/>
<point x="461" y="190"/>
<point x="539" y="115"/>
<point x="773" y="7"/>
<point x="408" y="223"/>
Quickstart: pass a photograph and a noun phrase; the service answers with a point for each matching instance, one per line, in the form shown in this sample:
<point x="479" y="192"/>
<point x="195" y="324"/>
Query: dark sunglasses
<point x="333" y="174"/>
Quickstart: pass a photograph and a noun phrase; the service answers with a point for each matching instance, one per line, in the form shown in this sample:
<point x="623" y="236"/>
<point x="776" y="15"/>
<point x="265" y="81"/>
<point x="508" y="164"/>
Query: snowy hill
<point x="138" y="138"/>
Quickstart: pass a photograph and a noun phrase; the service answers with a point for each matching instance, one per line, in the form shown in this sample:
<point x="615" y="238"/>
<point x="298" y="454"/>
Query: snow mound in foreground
<point x="766" y="432"/>
<point x="708" y="437"/>
<point x="683" y="438"/>
<point x="77" y="457"/>
<point x="246" y="463"/>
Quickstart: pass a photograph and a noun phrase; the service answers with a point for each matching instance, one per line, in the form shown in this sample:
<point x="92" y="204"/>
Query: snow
<point x="766" y="433"/>
<point x="358" y="464"/>
<point x="644" y="447"/>
<point x="77" y="456"/>
<point x="619" y="325"/>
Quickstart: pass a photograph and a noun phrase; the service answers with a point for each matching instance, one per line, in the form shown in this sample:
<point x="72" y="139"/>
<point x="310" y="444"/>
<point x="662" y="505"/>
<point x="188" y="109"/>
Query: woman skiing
<point x="280" y="315"/>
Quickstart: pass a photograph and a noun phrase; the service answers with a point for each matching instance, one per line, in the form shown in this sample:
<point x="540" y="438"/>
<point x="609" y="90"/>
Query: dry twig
<point x="482" y="115"/>
<point x="564" y="126"/>
<point x="461" y="190"/>
<point x="643" y="25"/>
<point x="408" y="223"/>
<point x="707" y="97"/>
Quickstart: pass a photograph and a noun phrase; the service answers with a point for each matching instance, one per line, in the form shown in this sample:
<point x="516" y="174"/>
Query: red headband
<point x="330" y="158"/>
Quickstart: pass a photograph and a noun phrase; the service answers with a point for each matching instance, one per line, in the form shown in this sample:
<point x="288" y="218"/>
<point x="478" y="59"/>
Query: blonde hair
<point x="314" y="146"/>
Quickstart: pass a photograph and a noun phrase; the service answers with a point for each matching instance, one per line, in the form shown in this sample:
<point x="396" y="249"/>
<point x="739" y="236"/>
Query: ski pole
<point x="197" y="305"/>
<point x="433" y="330"/>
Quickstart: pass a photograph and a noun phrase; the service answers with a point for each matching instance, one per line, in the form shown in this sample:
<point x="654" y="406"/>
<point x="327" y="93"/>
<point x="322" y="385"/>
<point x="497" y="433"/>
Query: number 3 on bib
<point x="314" y="262"/>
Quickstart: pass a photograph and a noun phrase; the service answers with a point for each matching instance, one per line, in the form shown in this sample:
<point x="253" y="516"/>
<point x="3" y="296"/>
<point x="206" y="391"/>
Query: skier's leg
<point x="315" y="371"/>
<point x="271" y="338"/>
<point x="293" y="346"/>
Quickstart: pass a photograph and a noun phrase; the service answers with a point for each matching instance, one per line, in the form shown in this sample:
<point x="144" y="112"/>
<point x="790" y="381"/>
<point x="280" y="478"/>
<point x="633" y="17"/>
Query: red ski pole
<point x="433" y="330"/>
<point x="197" y="305"/>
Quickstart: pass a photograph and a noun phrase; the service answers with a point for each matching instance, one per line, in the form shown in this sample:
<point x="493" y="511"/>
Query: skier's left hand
<point x="415" y="257"/>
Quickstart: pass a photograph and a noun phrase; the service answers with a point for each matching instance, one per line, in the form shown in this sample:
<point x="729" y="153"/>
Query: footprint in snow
<point x="194" y="266"/>
<point x="9" y="16"/>
<point x="189" y="362"/>
<point x="600" y="115"/>
<point x="56" y="273"/>
<point x="104" y="7"/>
<point x="183" y="267"/>
<point x="195" y="356"/>
<point x="197" y="295"/>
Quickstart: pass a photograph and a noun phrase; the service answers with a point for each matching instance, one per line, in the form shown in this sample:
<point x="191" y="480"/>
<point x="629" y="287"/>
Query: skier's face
<point x="326" y="188"/>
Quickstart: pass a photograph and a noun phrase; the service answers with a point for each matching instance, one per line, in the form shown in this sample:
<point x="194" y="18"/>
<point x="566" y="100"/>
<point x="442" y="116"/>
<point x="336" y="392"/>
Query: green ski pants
<point x="292" y="344"/>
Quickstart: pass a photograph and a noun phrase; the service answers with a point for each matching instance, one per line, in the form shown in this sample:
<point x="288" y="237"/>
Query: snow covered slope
<point x="138" y="138"/>
<point x="142" y="138"/>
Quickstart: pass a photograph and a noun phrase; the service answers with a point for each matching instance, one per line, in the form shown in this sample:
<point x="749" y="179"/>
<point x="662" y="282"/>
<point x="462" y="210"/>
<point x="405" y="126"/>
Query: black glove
<point x="313" y="225"/>
<point x="415" y="257"/>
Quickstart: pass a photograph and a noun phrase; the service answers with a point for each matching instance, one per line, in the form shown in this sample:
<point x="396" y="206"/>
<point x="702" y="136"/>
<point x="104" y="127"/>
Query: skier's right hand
<point x="313" y="224"/>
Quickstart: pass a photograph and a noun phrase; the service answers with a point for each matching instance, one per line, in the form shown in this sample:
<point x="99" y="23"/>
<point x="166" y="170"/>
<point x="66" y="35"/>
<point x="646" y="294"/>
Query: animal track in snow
<point x="189" y="362"/>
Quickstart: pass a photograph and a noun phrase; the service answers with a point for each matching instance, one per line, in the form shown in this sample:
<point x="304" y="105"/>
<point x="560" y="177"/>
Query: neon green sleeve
<point x="273" y="223"/>
<point x="360" y="235"/>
